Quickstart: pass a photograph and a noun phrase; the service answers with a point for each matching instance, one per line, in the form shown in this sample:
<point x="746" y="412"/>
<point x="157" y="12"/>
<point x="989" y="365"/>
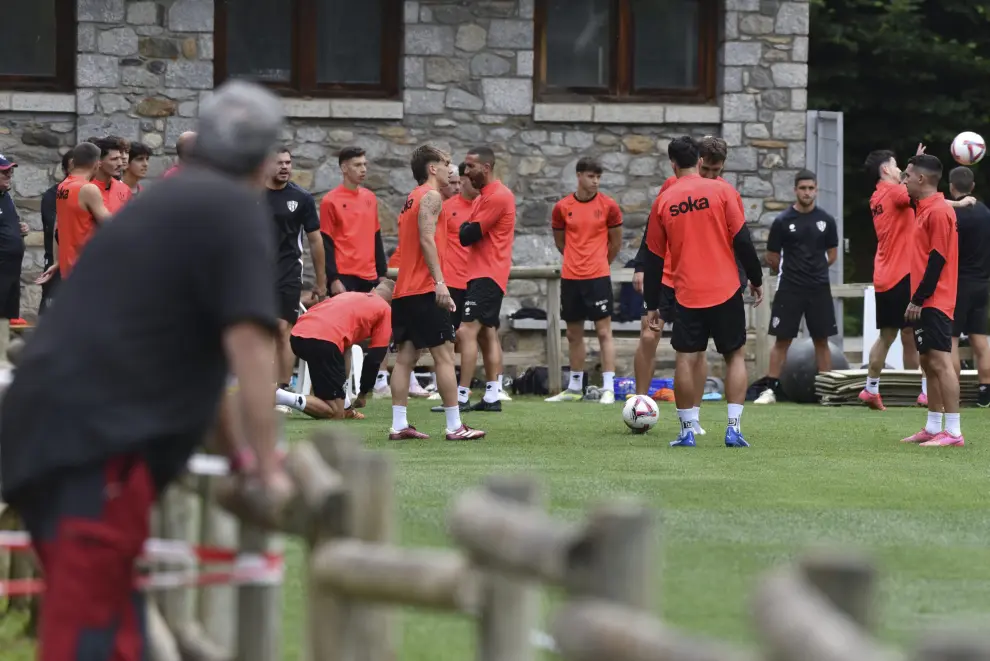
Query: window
<point x="311" y="47"/>
<point x="627" y="49"/>
<point x="38" y="46"/>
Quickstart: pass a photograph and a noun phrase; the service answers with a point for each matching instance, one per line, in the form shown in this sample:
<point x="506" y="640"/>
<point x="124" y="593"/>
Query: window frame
<point x="622" y="61"/>
<point x="303" y="81"/>
<point x="64" y="79"/>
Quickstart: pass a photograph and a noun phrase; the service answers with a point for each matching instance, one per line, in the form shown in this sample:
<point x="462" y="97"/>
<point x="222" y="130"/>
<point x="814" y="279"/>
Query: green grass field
<point x="814" y="475"/>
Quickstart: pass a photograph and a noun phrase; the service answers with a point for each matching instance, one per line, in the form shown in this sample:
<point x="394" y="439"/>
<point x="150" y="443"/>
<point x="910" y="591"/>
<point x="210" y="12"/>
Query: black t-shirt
<point x="130" y="358"/>
<point x="802" y="239"/>
<point x="294" y="214"/>
<point x="11" y="241"/>
<point x="973" y="224"/>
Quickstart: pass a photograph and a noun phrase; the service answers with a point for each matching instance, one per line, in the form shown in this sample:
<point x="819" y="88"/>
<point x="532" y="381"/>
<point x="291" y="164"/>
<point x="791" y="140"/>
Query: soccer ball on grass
<point x="640" y="413"/>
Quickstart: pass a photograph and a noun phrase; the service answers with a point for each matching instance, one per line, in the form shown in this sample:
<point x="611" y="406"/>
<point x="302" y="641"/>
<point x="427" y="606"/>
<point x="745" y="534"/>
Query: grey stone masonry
<point x="467" y="79"/>
<point x="141" y="69"/>
<point x="764" y="102"/>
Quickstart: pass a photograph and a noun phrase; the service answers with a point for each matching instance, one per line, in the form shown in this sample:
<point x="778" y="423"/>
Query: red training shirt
<point x="347" y="319"/>
<point x="585" y="226"/>
<point x="455" y="265"/>
<point x="414" y="276"/>
<point x="495" y="211"/>
<point x="937" y="231"/>
<point x="350" y="219"/>
<point x="896" y="228"/>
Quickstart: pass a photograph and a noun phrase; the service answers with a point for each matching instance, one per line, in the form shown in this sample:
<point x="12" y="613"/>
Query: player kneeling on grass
<point x="702" y="224"/>
<point x="325" y="334"/>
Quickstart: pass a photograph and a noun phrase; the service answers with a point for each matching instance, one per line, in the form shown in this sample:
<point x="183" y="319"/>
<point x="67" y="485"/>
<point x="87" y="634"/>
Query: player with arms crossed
<point x="490" y="233"/>
<point x="713" y="152"/>
<point x="933" y="303"/>
<point x="972" y="297"/>
<point x="587" y="229"/>
<point x="421" y="304"/>
<point x="294" y="214"/>
<point x="324" y="335"/>
<point x="808" y="237"/>
<point x="702" y="224"/>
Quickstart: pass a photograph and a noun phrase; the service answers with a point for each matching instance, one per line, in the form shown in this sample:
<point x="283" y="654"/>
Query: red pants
<point x="88" y="529"/>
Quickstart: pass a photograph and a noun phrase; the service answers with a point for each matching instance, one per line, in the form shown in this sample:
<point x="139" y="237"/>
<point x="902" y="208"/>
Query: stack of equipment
<point x="897" y="387"/>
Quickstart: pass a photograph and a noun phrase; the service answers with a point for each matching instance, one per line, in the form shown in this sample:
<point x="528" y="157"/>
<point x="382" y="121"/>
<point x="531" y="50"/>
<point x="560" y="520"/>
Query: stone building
<point x="542" y="81"/>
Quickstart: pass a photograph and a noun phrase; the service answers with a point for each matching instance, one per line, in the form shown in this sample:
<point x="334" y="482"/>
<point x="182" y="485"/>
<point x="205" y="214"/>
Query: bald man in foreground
<point x="97" y="424"/>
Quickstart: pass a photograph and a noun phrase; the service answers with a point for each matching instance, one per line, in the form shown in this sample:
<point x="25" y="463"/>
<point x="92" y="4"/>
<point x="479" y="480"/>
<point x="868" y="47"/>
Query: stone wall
<point x="467" y="70"/>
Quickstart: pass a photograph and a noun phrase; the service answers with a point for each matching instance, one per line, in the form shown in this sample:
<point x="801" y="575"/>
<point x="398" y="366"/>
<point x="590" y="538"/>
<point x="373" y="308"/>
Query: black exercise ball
<point x="797" y="379"/>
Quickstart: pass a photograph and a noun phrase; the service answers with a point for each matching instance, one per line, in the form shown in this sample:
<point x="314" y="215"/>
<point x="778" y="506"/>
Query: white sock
<point x="491" y="392"/>
<point x="696" y="417"/>
<point x="924" y="386"/>
<point x="499" y="383"/>
<point x="577" y="378"/>
<point x="347" y="399"/>
<point x="347" y="384"/>
<point x="934" y="424"/>
<point x="382" y="379"/>
<point x="873" y="385"/>
<point x="953" y="424"/>
<point x="608" y="380"/>
<point x="399" y="421"/>
<point x="462" y="394"/>
<point x="433" y="379"/>
<point x="453" y="414"/>
<point x="290" y="399"/>
<point x="687" y="424"/>
<point x="735" y="415"/>
<point x="413" y="382"/>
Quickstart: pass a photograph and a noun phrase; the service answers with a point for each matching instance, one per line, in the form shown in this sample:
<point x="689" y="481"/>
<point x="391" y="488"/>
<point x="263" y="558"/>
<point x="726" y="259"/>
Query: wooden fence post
<point x="845" y="579"/>
<point x="954" y="646"/>
<point x="553" y="335"/>
<point x="508" y="604"/>
<point x="217" y="606"/>
<point x="259" y="607"/>
<point x="614" y="560"/>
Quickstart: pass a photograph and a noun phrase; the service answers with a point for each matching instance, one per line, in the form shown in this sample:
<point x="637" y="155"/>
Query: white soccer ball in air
<point x="640" y="413"/>
<point x="968" y="148"/>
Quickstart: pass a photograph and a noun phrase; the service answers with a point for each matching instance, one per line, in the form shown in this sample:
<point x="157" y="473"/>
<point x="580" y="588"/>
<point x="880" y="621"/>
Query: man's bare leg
<point x="644" y="362"/>
<point x="491" y="355"/>
<point x="283" y="353"/>
<point x="778" y="356"/>
<point x="405" y="360"/>
<point x="870" y="395"/>
<point x="576" y="355"/>
<point x="603" y="329"/>
<point x="314" y="407"/>
<point x="686" y="371"/>
<point x="912" y="361"/>
<point x="443" y="361"/>
<point x="735" y="396"/>
<point x="469" y="332"/>
<point x="981" y="356"/>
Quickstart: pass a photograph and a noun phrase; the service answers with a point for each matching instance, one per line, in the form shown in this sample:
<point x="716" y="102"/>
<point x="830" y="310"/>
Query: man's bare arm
<point x="614" y="242"/>
<point x="250" y="351"/>
<point x="91" y="200"/>
<point x="430" y="206"/>
<point x="773" y="261"/>
<point x="559" y="237"/>
<point x="319" y="260"/>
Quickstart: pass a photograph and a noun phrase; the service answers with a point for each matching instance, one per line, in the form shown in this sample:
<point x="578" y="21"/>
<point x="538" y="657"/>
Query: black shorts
<point x="972" y="299"/>
<point x="289" y="294"/>
<point x="668" y="304"/>
<point x="10" y="295"/>
<point x="892" y="304"/>
<point x="417" y="319"/>
<point x="815" y="305"/>
<point x="586" y="300"/>
<point x="457" y="295"/>
<point x="354" y="283"/>
<point x="326" y="366"/>
<point x="725" y="323"/>
<point x="483" y="302"/>
<point x="933" y="331"/>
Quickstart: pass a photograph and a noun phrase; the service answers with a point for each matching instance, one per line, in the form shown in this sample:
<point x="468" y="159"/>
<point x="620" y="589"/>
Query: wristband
<point x="243" y="462"/>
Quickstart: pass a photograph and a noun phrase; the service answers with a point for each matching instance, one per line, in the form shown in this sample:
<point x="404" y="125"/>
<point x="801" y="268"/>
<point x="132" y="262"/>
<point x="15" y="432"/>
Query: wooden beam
<point x="553" y="337"/>
<point x="847" y="580"/>
<point x="797" y="622"/>
<point x="508" y="605"/>
<point x="514" y="538"/>
<point x="599" y="630"/>
<point x="510" y="358"/>
<point x="955" y="645"/>
<point x="370" y="572"/>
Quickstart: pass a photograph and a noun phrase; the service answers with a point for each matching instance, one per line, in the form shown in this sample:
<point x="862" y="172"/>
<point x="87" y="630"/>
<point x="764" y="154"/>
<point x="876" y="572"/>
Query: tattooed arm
<point x="430" y="208"/>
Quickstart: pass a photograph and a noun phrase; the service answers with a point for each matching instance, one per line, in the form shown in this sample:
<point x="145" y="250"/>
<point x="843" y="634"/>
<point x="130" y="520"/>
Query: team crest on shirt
<point x="792" y="228"/>
<point x="292" y="204"/>
<point x="775" y="322"/>
<point x="820" y="225"/>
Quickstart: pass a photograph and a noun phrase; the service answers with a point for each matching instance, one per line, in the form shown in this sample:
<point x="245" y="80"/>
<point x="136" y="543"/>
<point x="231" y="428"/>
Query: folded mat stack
<point x="897" y="387"/>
